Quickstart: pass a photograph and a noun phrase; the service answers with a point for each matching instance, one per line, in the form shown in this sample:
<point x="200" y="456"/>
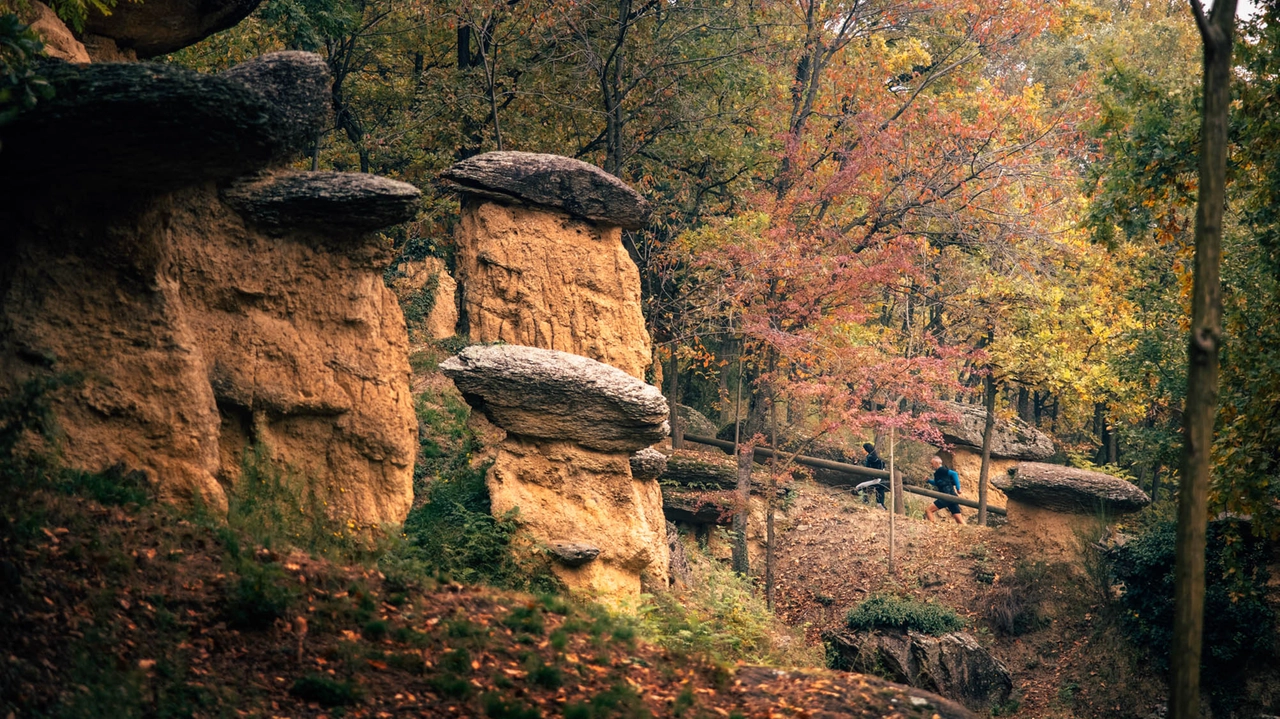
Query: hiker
<point x="873" y="461"/>
<point x="944" y="480"/>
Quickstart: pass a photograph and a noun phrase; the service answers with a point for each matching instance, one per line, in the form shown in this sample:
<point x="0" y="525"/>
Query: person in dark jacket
<point x="944" y="480"/>
<point x="873" y="461"/>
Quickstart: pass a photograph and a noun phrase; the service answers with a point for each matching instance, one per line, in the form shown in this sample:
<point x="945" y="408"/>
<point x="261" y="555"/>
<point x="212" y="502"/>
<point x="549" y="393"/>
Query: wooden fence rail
<point x="845" y="468"/>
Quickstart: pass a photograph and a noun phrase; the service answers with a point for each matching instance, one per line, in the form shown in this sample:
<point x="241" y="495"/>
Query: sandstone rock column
<point x="572" y="424"/>
<point x="209" y="298"/>
<point x="540" y="257"/>
<point x="1050" y="505"/>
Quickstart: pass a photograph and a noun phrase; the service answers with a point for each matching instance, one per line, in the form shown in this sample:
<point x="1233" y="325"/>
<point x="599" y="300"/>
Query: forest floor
<point x="129" y="609"/>
<point x="1070" y="661"/>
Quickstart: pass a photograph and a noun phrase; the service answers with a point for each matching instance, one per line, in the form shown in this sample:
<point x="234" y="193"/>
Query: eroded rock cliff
<point x="198" y="290"/>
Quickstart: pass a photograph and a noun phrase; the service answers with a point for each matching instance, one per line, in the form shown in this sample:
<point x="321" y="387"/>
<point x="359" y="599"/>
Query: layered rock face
<point x="572" y="425"/>
<point x="210" y="300"/>
<point x="540" y="257"/>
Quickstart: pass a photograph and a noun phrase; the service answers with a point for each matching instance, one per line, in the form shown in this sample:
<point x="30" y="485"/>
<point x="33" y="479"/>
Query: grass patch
<point x="325" y="691"/>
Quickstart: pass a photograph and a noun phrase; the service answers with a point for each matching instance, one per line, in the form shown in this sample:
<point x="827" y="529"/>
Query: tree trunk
<point x="741" y="562"/>
<point x="673" y="400"/>
<point x="1216" y="32"/>
<point x="770" y="541"/>
<point x="1024" y="405"/>
<point x="988" y="431"/>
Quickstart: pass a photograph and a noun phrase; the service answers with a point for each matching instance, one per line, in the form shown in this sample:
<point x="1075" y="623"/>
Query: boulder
<point x="573" y="554"/>
<point x="339" y="202"/>
<point x="158" y="27"/>
<point x="534" y="276"/>
<point x="545" y="394"/>
<point x="1066" y="489"/>
<point x="579" y="189"/>
<point x="648" y="464"/>
<point x="695" y="422"/>
<point x="561" y="489"/>
<point x="126" y="129"/>
<point x="1012" y="438"/>
<point x="953" y="665"/>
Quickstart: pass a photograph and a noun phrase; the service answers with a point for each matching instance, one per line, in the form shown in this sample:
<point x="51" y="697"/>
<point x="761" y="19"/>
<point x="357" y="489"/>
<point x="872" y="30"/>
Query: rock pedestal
<point x="572" y="427"/>
<point x="1053" y="506"/>
<point x="540" y="258"/>
<point x="1012" y="441"/>
<point x="211" y="300"/>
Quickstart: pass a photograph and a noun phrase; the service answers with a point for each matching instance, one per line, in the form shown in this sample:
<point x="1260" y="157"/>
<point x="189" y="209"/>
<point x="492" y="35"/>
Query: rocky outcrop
<point x="547" y="394"/>
<point x="953" y="665"/>
<point x="579" y="189"/>
<point x="699" y="470"/>
<point x="1066" y="489"/>
<point x="541" y="263"/>
<point x="333" y="202"/>
<point x="428" y="297"/>
<point x="1012" y="438"/>
<point x="565" y="465"/>
<point x="58" y="40"/>
<point x="158" y="27"/>
<point x="200" y="330"/>
<point x="573" y="554"/>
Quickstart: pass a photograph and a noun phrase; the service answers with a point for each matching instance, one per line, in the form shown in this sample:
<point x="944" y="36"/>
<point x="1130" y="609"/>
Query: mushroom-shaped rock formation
<point x="546" y="394"/>
<point x="572" y="424"/>
<point x="1067" y="489"/>
<point x="200" y="338"/>
<point x="318" y="200"/>
<point x="648" y="463"/>
<point x="540" y="259"/>
<point x="573" y="554"/>
<point x="158" y="27"/>
<point x="577" y="188"/>
<point x="1012" y="441"/>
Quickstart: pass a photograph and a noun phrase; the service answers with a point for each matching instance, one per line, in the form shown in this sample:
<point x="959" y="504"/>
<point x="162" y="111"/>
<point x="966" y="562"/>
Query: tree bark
<point x="770" y="541"/>
<point x="673" y="400"/>
<point x="1216" y="31"/>
<point x="988" y="431"/>
<point x="746" y="457"/>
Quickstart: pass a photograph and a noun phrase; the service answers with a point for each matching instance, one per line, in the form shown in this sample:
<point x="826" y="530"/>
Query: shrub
<point x="259" y="597"/>
<point x="1014" y="608"/>
<point x="1237" y="621"/>
<point x="325" y="691"/>
<point x="886" y="611"/>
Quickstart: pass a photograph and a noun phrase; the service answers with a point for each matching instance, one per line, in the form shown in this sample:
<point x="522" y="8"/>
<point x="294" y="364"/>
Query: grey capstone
<point x="337" y="201"/>
<point x="158" y="27"/>
<point x="1066" y="489"/>
<point x="297" y="87"/>
<point x="648" y="464"/>
<point x="580" y="189"/>
<point x="1011" y="439"/>
<point x="547" y="394"/>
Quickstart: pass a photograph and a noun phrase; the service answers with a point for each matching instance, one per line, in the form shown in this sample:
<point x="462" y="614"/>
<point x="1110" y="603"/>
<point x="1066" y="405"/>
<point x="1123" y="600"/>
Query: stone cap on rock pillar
<point x="648" y="464"/>
<point x="158" y="27"/>
<point x="115" y="128"/>
<point x="336" y="201"/>
<point x="1067" y="489"/>
<point x="1011" y="438"/>
<point x="547" y="394"/>
<point x="563" y="183"/>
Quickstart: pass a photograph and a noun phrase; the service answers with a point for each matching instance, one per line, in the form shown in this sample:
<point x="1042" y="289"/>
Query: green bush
<point x="259" y="597"/>
<point x="325" y="690"/>
<point x="887" y="611"/>
<point x="1238" y="623"/>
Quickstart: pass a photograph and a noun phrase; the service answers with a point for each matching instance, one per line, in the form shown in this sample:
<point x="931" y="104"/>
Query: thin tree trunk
<point x="893" y="498"/>
<point x="741" y="562"/>
<point x="988" y="431"/>
<point x="1216" y="32"/>
<point x="770" y="541"/>
<point x="673" y="400"/>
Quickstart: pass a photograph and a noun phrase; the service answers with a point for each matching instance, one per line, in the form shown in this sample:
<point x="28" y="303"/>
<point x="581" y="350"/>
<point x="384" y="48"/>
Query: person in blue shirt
<point x="944" y="480"/>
